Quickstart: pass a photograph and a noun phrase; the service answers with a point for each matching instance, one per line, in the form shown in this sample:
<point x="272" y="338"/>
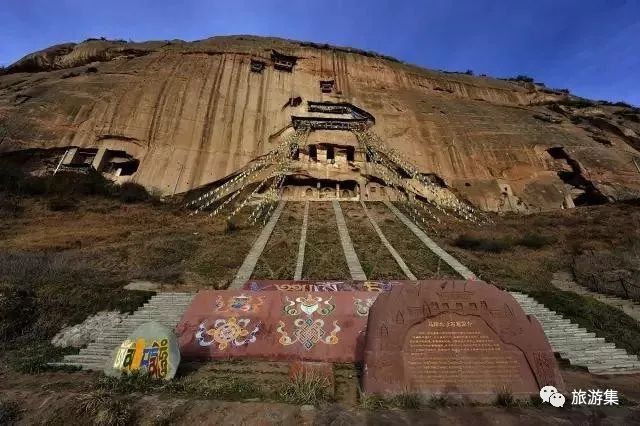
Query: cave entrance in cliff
<point x="583" y="192"/>
<point x="313" y="152"/>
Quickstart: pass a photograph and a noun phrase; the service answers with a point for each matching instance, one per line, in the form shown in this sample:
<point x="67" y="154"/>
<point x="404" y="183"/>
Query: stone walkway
<point x="564" y="281"/>
<point x="165" y="308"/>
<point x="249" y="264"/>
<point x="347" y="246"/>
<point x="576" y="344"/>
<point x="303" y="241"/>
<point x="446" y="257"/>
<point x="388" y="245"/>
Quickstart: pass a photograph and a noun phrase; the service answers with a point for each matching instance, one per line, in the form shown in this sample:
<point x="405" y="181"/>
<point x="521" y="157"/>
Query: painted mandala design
<point x="225" y="332"/>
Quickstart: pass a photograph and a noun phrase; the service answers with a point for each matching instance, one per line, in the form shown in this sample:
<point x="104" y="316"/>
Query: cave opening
<point x="584" y="193"/>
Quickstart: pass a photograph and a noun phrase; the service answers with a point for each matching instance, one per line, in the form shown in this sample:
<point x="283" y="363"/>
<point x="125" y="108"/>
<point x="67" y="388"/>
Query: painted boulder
<point x="152" y="349"/>
<point x="276" y="325"/>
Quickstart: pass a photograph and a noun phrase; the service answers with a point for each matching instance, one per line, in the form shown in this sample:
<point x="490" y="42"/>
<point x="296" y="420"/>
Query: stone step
<point x="576" y="344"/>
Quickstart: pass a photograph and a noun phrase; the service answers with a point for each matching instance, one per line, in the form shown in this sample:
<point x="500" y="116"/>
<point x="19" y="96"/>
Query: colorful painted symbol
<point x="308" y="305"/>
<point x="227" y="331"/>
<point x="242" y="303"/>
<point x="376" y="286"/>
<point x="361" y="307"/>
<point x="133" y="356"/>
<point x="308" y="333"/>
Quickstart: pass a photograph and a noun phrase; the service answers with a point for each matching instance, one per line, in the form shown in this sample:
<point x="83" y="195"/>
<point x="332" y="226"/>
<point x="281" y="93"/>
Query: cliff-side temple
<point x="331" y="153"/>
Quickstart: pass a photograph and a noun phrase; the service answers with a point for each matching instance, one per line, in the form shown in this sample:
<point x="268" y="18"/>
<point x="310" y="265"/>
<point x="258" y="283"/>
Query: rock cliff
<point x="194" y="112"/>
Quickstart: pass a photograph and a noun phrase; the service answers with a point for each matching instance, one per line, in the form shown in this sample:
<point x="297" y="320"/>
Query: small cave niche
<point x="313" y="152"/>
<point x="257" y="66"/>
<point x="331" y="155"/>
<point x="326" y="86"/>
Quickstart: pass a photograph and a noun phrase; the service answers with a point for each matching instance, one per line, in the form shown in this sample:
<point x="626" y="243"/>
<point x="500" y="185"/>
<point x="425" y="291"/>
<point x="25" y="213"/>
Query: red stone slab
<point x="320" y="286"/>
<point x="275" y="325"/>
<point x="463" y="338"/>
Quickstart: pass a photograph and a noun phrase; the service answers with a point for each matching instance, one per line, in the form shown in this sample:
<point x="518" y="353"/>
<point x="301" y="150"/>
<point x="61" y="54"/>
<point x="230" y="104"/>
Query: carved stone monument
<point x="464" y="338"/>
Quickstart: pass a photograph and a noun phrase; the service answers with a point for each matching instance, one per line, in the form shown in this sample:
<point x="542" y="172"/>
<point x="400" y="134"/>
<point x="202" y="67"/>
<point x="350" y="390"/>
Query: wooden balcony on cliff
<point x="283" y="62"/>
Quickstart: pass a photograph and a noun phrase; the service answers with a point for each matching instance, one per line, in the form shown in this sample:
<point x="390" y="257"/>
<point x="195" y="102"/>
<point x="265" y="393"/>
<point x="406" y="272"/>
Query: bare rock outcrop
<point x="194" y="112"/>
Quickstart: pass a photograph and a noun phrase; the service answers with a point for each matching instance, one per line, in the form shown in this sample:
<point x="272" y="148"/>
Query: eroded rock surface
<point x="194" y="112"/>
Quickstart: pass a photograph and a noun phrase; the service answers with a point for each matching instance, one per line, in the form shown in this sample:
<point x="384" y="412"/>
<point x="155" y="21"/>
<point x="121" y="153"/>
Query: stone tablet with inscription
<point x="465" y="338"/>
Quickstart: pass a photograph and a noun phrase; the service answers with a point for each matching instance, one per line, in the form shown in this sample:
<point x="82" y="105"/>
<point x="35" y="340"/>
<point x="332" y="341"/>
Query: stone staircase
<point x="564" y="281"/>
<point x="165" y="308"/>
<point x="577" y="345"/>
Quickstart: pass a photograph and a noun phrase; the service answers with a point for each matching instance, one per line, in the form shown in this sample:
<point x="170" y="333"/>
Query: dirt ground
<point x="52" y="398"/>
<point x="121" y="242"/>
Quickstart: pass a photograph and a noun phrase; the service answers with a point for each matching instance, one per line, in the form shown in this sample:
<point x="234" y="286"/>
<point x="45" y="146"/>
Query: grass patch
<point x="62" y="204"/>
<point x="309" y="388"/>
<point x="104" y="409"/>
<point x="440" y="401"/>
<point x="224" y="388"/>
<point x="42" y="292"/>
<point x="504" y="398"/>
<point x="66" y="184"/>
<point x="9" y="411"/>
<point x="373" y="402"/>
<point x="604" y="320"/>
<point x="33" y="358"/>
<point x="408" y="401"/>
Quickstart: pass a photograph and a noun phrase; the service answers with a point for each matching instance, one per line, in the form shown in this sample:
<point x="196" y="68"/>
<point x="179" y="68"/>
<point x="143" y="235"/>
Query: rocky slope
<point x="192" y="113"/>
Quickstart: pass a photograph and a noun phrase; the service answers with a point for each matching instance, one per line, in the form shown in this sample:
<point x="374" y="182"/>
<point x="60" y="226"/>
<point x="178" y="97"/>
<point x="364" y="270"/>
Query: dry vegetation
<point x="324" y="258"/>
<point x="376" y="261"/>
<point x="522" y="253"/>
<point x="278" y="260"/>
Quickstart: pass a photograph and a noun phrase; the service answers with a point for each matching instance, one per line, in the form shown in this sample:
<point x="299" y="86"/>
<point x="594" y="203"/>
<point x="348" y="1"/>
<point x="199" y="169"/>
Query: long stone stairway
<point x="165" y="308"/>
<point x="576" y="344"/>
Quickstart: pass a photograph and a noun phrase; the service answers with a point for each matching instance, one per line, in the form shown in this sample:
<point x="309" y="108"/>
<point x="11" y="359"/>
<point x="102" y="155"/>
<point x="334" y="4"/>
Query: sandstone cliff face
<point x="193" y="113"/>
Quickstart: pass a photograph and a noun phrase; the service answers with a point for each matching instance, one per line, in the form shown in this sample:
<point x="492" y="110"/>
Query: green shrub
<point x="480" y="244"/>
<point x="534" y="241"/>
<point x="130" y="192"/>
<point x="17" y="309"/>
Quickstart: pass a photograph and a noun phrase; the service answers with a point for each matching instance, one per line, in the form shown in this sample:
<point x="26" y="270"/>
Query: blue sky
<point x="591" y="47"/>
